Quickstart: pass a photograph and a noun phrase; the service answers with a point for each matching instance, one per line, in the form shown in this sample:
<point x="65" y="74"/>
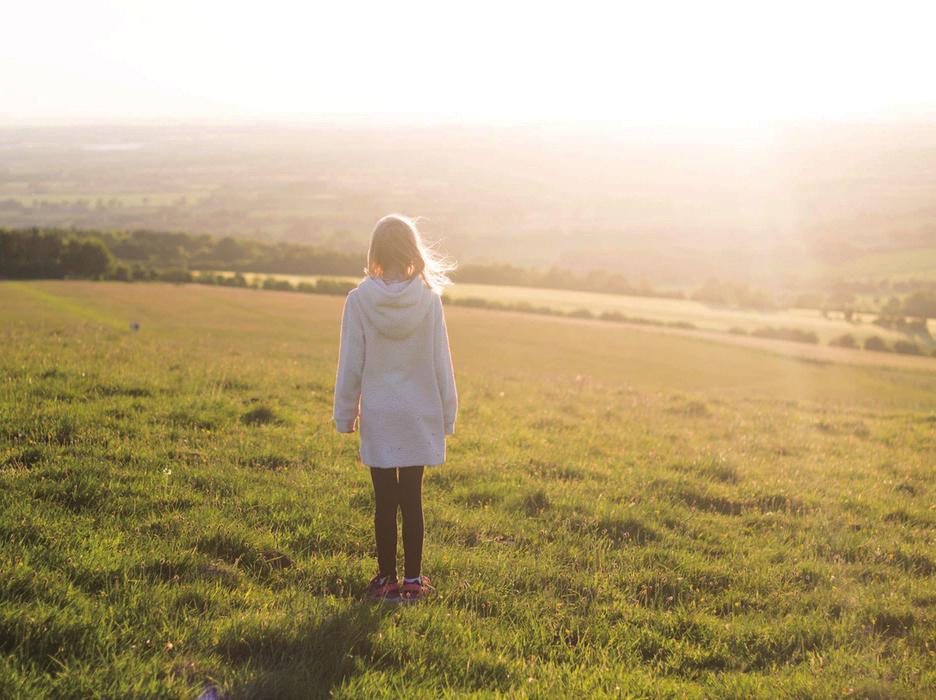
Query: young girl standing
<point x="395" y="379"/>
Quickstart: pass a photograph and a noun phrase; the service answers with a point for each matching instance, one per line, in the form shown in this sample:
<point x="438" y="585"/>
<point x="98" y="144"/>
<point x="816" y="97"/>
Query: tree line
<point x="59" y="253"/>
<point x="146" y="255"/>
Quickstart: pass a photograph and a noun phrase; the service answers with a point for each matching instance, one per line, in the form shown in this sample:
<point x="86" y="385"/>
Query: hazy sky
<point x="707" y="63"/>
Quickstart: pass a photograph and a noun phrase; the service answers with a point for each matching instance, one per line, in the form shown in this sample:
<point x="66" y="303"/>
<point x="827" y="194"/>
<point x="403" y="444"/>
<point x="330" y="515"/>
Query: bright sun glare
<point x="713" y="63"/>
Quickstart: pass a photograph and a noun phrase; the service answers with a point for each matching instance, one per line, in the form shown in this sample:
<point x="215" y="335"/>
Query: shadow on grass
<point x="308" y="660"/>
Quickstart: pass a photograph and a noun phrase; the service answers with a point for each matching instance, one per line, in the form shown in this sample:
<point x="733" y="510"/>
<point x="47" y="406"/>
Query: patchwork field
<point x="623" y="513"/>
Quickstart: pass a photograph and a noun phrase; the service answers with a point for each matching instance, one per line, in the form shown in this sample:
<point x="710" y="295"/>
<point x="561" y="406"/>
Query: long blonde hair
<point x="396" y="244"/>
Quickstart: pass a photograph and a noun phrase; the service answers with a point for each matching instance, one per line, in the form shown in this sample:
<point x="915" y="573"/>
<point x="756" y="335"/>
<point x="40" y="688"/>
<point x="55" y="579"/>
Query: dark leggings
<point x="398" y="488"/>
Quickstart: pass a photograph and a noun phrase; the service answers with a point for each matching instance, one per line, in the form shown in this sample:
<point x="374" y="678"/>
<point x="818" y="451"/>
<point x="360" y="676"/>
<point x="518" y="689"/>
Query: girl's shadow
<point x="312" y="662"/>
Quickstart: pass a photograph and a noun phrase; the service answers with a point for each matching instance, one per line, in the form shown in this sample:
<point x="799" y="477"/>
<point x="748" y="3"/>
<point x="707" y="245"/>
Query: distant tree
<point x="207" y="278"/>
<point x="277" y="285"/>
<point x="87" y="257"/>
<point x="844" y="341"/>
<point x="892" y="309"/>
<point x="30" y="254"/>
<point x="921" y="304"/>
<point x="328" y="286"/>
<point x="580" y="313"/>
<point x="795" y="334"/>
<point x="905" y="347"/>
<point x="138" y="272"/>
<point x="176" y="275"/>
<point x="129" y="250"/>
<point x="120" y="273"/>
<point x="875" y="343"/>
<point x="229" y="250"/>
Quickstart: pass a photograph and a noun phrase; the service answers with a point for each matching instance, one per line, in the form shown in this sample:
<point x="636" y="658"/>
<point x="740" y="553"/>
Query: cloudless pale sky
<point x="696" y="63"/>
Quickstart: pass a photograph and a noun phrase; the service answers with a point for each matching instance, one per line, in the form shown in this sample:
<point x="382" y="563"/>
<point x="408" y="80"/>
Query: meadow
<point x="623" y="513"/>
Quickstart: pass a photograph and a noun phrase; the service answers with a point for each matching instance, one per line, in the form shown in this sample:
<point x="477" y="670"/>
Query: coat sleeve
<point x="350" y="367"/>
<point x="445" y="375"/>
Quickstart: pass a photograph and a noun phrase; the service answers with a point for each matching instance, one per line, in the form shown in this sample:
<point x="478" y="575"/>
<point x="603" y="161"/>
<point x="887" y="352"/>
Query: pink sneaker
<point x="383" y="589"/>
<point x="412" y="592"/>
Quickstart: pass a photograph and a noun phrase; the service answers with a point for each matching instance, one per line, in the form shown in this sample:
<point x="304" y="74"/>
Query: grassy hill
<point x="622" y="513"/>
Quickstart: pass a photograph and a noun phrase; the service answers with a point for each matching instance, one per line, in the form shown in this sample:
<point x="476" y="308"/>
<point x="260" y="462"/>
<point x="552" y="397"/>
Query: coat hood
<point x="395" y="312"/>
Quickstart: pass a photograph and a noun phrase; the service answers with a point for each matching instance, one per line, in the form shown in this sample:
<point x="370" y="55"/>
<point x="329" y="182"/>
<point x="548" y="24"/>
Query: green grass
<point x="623" y="514"/>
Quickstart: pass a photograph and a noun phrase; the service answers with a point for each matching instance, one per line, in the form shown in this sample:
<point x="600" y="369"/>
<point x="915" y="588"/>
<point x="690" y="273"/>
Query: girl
<point x="395" y="375"/>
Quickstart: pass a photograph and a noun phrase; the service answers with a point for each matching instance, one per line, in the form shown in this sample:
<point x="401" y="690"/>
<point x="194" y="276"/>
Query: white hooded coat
<point x="395" y="373"/>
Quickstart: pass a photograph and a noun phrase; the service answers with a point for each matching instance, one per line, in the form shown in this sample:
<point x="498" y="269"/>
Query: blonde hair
<point x="396" y="244"/>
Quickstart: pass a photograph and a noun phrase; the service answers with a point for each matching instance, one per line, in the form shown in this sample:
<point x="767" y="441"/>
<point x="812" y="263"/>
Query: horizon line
<point x="424" y="120"/>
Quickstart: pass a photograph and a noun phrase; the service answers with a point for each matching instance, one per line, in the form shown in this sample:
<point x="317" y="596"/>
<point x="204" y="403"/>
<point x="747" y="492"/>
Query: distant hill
<point x="668" y="207"/>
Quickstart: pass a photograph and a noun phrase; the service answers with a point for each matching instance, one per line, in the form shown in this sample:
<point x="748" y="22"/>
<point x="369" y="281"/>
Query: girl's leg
<point x="387" y="501"/>
<point x="410" y="494"/>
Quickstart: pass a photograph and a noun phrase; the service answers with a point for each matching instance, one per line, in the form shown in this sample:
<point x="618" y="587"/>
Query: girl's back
<point x="395" y="356"/>
<point x="395" y="375"/>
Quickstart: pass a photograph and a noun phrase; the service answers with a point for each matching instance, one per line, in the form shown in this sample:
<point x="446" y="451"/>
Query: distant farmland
<point x="678" y="311"/>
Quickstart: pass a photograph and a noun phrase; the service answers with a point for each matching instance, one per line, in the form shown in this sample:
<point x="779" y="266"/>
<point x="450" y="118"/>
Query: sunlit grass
<point x="622" y="513"/>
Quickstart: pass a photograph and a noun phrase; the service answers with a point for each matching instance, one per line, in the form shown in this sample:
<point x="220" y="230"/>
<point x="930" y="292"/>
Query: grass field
<point x="622" y="514"/>
<point x="702" y="316"/>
